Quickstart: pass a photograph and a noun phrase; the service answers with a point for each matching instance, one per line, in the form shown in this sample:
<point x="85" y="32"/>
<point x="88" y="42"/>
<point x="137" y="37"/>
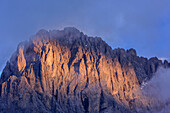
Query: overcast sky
<point x="140" y="24"/>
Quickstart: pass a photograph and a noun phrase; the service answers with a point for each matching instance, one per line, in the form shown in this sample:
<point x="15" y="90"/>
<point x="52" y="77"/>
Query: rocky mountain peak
<point x="132" y="51"/>
<point x="71" y="30"/>
<point x="67" y="71"/>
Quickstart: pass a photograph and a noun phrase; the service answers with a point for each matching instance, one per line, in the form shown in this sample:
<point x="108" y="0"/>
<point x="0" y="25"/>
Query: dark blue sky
<point x="140" y="24"/>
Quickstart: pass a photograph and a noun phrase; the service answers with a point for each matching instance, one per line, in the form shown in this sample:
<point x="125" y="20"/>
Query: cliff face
<point x="67" y="71"/>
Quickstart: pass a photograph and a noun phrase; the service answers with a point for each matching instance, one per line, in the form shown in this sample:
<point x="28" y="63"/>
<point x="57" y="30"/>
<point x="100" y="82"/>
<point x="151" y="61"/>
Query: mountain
<point x="65" y="71"/>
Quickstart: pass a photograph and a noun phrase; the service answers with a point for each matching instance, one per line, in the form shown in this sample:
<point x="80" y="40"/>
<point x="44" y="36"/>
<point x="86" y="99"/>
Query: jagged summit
<point x="66" y="29"/>
<point x="66" y="71"/>
<point x="71" y="29"/>
<point x="60" y="33"/>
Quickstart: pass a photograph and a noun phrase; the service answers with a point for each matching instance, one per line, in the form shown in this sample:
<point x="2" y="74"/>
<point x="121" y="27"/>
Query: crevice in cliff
<point x="73" y="55"/>
<point x="61" y="84"/>
<point x="53" y="88"/>
<point x="117" y="76"/>
<point x="85" y="62"/>
<point x="101" y="106"/>
<point x="53" y="60"/>
<point x="40" y="76"/>
<point x="77" y="66"/>
<point x="8" y="86"/>
<point x="85" y="102"/>
<point x="75" y="89"/>
<point x="97" y="68"/>
<point x="68" y="88"/>
<point x="56" y="95"/>
<point x="111" y="84"/>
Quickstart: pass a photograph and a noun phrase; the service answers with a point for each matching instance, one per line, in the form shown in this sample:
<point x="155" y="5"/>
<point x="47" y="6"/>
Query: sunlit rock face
<point x="68" y="72"/>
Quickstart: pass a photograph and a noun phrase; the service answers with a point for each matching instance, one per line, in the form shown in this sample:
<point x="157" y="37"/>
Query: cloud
<point x="163" y="59"/>
<point x="157" y="89"/>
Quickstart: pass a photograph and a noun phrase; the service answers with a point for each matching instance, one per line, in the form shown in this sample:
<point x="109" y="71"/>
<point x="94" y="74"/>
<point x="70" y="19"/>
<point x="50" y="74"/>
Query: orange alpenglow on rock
<point x="66" y="71"/>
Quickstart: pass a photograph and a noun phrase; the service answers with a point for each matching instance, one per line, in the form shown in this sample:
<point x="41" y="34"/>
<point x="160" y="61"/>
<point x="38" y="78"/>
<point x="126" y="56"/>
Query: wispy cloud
<point x="158" y="90"/>
<point x="163" y="59"/>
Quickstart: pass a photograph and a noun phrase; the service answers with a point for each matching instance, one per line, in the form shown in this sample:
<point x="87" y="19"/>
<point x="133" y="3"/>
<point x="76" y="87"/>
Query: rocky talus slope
<point x="68" y="72"/>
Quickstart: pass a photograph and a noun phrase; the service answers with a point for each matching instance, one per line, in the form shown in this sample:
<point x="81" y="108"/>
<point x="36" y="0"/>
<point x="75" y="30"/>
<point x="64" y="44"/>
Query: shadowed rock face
<point x="68" y="72"/>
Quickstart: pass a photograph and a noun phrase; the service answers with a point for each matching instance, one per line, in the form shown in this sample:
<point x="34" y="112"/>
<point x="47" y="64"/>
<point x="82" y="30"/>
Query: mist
<point x="158" y="90"/>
